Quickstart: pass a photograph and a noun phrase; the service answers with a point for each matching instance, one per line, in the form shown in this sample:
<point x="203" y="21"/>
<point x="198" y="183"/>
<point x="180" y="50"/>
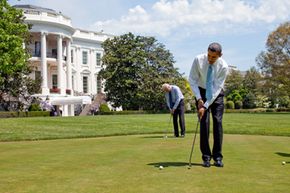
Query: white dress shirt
<point x="198" y="73"/>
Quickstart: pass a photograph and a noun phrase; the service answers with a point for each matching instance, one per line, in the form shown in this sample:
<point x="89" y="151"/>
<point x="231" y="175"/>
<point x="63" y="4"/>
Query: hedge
<point x="10" y="114"/>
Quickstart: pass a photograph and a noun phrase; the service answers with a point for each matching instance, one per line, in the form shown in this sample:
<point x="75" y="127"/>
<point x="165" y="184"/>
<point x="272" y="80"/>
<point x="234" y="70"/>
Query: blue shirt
<point x="177" y="96"/>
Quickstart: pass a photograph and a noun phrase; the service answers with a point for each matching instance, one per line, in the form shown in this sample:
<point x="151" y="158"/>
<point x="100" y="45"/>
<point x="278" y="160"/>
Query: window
<point x="85" y="84"/>
<point x="37" y="75"/>
<point x="54" y="81"/>
<point x="72" y="56"/>
<point x="85" y="57"/>
<point x="54" y="53"/>
<point x="99" y="85"/>
<point x="98" y="59"/>
<point x="37" y="48"/>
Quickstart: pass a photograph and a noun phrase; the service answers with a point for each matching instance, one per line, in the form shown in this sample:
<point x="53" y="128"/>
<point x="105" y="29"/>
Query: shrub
<point x="34" y="107"/>
<point x="104" y="108"/>
<point x="230" y="105"/>
<point x="238" y="104"/>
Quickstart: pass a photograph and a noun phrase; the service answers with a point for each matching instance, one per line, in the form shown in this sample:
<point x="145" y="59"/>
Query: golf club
<point x="189" y="164"/>
<point x="165" y="133"/>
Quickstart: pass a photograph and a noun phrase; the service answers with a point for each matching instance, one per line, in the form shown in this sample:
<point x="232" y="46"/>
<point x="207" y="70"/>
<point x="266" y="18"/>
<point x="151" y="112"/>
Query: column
<point x="68" y="65"/>
<point x="70" y="108"/>
<point x="44" y="85"/>
<point x="92" y="69"/>
<point x="78" y="69"/>
<point x="59" y="66"/>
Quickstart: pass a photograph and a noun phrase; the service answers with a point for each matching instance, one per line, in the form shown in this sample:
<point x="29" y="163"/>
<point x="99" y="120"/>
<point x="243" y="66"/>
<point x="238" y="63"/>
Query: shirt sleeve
<point x="218" y="86"/>
<point x="193" y="79"/>
<point x="167" y="100"/>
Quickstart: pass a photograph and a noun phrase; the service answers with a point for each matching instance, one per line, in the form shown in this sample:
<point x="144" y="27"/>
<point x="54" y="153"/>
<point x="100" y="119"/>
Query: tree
<point x="233" y="82"/>
<point x="252" y="85"/>
<point x="275" y="63"/>
<point x="134" y="68"/>
<point x="14" y="70"/>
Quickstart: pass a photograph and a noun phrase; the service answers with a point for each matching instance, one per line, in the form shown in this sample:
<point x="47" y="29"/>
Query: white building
<point x="67" y="59"/>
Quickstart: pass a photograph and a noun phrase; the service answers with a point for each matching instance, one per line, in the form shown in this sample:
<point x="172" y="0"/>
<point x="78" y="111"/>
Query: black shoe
<point x="206" y="164"/>
<point x="219" y="163"/>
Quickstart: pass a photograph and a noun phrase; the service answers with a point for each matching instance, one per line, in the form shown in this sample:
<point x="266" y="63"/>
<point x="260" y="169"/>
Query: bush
<point x="10" y="114"/>
<point x="230" y="105"/>
<point x="238" y="104"/>
<point x="104" y="108"/>
<point x="34" y="107"/>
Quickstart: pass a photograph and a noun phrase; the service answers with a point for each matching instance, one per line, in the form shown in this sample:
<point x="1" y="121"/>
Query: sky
<point x="185" y="27"/>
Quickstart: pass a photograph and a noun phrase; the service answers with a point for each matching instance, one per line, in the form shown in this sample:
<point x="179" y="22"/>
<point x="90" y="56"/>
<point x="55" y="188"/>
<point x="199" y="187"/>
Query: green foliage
<point x="234" y="96"/>
<point x="12" y="114"/>
<point x="238" y="104"/>
<point x="104" y="108"/>
<point x="275" y="64"/>
<point x="230" y="105"/>
<point x="34" y="107"/>
<point x="249" y="101"/>
<point x="233" y="82"/>
<point x="14" y="69"/>
<point x="135" y="67"/>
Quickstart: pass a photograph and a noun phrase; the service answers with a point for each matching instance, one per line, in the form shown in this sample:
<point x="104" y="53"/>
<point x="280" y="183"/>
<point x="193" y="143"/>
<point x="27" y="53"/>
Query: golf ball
<point x="160" y="167"/>
<point x="283" y="163"/>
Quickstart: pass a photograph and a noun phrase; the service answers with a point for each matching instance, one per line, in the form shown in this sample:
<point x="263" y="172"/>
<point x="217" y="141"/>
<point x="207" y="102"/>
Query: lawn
<point x="117" y="154"/>
<point x="129" y="164"/>
<point x="16" y="129"/>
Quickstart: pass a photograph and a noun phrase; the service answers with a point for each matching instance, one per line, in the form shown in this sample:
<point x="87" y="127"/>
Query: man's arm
<point x="167" y="100"/>
<point x="193" y="79"/>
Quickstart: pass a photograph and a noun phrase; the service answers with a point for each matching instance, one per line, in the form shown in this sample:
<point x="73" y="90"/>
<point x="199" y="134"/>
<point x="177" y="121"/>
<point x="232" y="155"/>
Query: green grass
<point x="129" y="164"/>
<point x="117" y="164"/>
<point x="17" y="129"/>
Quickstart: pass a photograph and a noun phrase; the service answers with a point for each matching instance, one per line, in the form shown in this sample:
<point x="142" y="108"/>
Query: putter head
<point x="189" y="167"/>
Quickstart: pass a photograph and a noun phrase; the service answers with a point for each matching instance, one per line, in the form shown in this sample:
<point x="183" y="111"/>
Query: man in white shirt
<point x="174" y="100"/>
<point x="207" y="76"/>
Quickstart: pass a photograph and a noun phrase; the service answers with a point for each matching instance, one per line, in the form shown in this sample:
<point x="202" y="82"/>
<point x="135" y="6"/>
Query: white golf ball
<point x="160" y="167"/>
<point x="283" y="163"/>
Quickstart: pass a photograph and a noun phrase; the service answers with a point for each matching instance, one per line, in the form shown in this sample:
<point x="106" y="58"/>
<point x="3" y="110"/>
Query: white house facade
<point x="68" y="60"/>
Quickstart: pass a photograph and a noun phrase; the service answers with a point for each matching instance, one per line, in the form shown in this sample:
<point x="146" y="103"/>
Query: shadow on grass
<point x="172" y="164"/>
<point x="283" y="154"/>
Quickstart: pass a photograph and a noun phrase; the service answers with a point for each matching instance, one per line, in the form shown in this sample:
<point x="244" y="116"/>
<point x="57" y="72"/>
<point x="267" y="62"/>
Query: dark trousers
<point x="179" y="112"/>
<point x="217" y="110"/>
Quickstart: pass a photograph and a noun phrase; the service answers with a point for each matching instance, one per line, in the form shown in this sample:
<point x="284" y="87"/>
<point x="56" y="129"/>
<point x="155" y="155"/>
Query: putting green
<point x="131" y="164"/>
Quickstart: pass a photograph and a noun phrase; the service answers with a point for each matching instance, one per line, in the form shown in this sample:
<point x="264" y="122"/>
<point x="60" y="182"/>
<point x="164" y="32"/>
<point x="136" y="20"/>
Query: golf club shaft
<point x="193" y="143"/>
<point x="165" y="133"/>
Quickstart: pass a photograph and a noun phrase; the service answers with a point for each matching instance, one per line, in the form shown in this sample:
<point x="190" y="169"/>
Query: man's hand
<point x="201" y="112"/>
<point x="172" y="111"/>
<point x="200" y="103"/>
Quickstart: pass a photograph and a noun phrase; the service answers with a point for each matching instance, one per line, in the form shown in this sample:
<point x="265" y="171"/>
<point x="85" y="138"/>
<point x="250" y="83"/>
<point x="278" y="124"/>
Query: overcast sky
<point x="185" y="27"/>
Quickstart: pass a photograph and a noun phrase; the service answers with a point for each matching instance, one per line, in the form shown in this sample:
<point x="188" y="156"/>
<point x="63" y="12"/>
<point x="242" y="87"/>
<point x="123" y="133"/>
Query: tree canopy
<point x="14" y="33"/>
<point x="275" y="64"/>
<point x="134" y="68"/>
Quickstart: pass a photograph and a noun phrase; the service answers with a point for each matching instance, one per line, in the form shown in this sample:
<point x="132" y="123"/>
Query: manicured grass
<point x="129" y="164"/>
<point x="17" y="129"/>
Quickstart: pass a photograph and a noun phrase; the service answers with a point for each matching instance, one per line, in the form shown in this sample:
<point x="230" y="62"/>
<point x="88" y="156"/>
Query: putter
<point x="189" y="164"/>
<point x="165" y="133"/>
